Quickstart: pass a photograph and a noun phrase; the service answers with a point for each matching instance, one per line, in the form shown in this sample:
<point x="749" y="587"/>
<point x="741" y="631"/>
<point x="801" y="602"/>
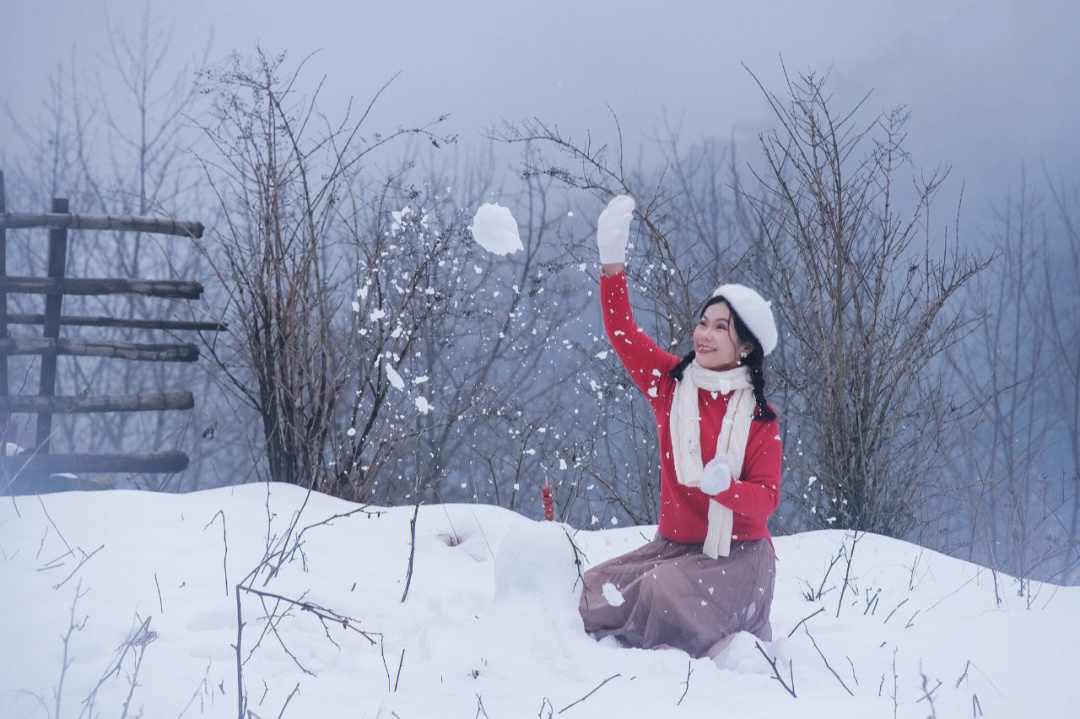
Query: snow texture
<point x="495" y="229"/>
<point x="612" y="595"/>
<point x="491" y="616"/>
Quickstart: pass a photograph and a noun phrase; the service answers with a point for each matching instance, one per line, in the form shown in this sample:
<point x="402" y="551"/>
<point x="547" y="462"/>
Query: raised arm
<point x="643" y="359"/>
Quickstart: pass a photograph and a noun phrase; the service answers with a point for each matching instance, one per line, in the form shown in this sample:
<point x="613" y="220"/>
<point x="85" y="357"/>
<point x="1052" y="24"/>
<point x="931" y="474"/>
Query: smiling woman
<point x="709" y="572"/>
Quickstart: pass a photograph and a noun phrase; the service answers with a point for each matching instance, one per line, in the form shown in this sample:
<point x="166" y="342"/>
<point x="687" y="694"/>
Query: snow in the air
<point x="496" y="230"/>
<point x="143" y="588"/>
<point x="394" y="377"/>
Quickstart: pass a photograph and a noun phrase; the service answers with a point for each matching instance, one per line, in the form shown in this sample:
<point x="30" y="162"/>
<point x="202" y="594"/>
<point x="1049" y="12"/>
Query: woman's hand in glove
<point x="716" y="477"/>
<point x="613" y="229"/>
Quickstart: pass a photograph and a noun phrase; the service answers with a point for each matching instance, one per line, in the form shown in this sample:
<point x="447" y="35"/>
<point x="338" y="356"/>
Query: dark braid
<point x="752" y="361"/>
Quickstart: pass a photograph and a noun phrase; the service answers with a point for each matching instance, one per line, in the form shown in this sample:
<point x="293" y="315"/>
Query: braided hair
<point x="752" y="362"/>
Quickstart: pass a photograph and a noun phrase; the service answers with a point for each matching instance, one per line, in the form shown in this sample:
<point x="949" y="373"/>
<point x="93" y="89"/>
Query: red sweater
<point x="753" y="496"/>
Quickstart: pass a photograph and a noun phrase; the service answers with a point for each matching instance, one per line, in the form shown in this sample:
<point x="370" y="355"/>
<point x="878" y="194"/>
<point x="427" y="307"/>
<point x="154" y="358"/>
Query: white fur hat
<point x="755" y="312"/>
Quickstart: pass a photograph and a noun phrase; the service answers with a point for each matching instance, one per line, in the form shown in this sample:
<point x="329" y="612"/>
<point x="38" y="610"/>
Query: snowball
<point x="423" y="405"/>
<point x="394" y="377"/>
<point x="376" y="315"/>
<point x="496" y="230"/>
<point x="613" y="596"/>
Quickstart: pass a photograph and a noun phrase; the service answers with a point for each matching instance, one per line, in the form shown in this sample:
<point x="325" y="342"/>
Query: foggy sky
<point x="990" y="86"/>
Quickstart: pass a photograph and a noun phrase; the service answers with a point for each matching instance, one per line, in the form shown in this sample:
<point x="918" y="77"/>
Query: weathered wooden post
<point x="5" y="416"/>
<point x="21" y="470"/>
<point x="53" y="301"/>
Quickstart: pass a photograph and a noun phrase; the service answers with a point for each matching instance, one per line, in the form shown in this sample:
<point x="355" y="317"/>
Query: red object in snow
<point x="549" y="505"/>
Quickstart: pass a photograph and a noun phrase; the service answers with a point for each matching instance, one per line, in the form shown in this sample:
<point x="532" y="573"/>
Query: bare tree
<point x="865" y="300"/>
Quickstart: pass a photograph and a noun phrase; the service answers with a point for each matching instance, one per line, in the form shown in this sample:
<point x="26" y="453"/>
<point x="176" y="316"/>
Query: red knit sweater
<point x="753" y="496"/>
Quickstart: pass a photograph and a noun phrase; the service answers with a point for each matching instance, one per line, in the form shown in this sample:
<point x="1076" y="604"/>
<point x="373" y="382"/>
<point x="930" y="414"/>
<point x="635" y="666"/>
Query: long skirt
<point x="669" y="595"/>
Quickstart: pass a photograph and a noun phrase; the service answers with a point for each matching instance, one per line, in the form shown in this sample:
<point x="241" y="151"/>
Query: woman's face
<point x="715" y="341"/>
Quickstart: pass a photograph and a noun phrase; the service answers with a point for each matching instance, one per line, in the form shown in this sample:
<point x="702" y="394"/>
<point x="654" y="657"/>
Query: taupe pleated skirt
<point x="669" y="595"/>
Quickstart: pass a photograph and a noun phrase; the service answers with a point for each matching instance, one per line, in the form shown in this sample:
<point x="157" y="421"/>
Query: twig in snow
<point x="928" y="694"/>
<point x="976" y="707"/>
<point x="963" y="675"/>
<point x="776" y="672"/>
<point x="871" y="602"/>
<point x="412" y="547"/>
<point x="202" y="687"/>
<point x="545" y="704"/>
<point x="827" y="665"/>
<point x="911" y="577"/>
<point x="241" y="699"/>
<point x="804" y="619"/>
<point x="65" y="662"/>
<point x="135" y="675"/>
<point x="160" y="605"/>
<point x="272" y="620"/>
<point x="895" y="678"/>
<point x="894" y="611"/>
<point x="321" y="612"/>
<point x="225" y="541"/>
<point x="686" y="684"/>
<point x="140" y="636"/>
<point x="77" y="568"/>
<point x="46" y="534"/>
<point x="850" y="556"/>
<point x="578" y="554"/>
<point x="613" y="676"/>
<point x="910" y="621"/>
<point x="296" y="690"/>
<point x="814" y="596"/>
<point x="480" y="707"/>
<point x="401" y="663"/>
<point x="277" y="635"/>
<point x="58" y="532"/>
<point x="852" y="665"/>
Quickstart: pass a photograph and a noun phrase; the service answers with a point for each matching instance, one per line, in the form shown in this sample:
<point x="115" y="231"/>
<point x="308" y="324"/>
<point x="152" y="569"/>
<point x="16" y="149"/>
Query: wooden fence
<point x="26" y="467"/>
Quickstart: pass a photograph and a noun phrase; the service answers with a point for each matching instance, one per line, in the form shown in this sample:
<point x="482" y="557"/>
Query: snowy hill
<point x="490" y="624"/>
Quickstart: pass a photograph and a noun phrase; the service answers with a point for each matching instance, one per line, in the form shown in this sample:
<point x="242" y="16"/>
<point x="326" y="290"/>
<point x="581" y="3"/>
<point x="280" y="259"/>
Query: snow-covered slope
<point x="490" y="624"/>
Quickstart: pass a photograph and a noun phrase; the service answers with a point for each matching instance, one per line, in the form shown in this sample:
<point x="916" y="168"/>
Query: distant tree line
<point x="928" y="383"/>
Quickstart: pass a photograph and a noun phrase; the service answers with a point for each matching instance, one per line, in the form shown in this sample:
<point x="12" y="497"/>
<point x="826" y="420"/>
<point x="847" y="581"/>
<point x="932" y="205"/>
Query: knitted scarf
<point x="731" y="443"/>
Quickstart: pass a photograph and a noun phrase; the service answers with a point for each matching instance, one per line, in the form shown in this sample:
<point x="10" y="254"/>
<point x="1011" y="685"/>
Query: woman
<point x="709" y="572"/>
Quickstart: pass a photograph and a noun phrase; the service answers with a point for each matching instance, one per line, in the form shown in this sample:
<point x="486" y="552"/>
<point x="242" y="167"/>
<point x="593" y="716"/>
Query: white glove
<point x="613" y="229"/>
<point x="716" y="477"/>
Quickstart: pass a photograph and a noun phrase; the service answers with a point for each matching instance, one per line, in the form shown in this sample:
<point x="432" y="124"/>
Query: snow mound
<point x="535" y="562"/>
<point x="490" y="618"/>
<point x="496" y="230"/>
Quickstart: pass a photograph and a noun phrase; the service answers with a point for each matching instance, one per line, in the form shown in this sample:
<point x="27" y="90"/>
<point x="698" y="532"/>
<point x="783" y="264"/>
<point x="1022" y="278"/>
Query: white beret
<point x="755" y="312"/>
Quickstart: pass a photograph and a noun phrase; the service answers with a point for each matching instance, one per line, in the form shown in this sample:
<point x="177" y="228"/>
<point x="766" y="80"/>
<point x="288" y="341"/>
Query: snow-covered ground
<point x="490" y="625"/>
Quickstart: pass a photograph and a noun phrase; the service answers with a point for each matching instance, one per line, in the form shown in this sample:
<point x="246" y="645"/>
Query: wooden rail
<point x="57" y="286"/>
<point x="51" y="348"/>
<point x="55" y="219"/>
<point x="91" y="404"/>
<point x="79" y="321"/>
<point x="29" y="463"/>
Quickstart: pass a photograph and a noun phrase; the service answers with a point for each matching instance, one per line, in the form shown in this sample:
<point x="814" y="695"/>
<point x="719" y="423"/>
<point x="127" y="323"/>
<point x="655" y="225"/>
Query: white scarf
<point x="685" y="424"/>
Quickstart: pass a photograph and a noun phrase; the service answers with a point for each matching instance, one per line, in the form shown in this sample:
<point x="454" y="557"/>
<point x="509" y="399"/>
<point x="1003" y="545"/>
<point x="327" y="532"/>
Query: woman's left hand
<point x="715" y="477"/>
